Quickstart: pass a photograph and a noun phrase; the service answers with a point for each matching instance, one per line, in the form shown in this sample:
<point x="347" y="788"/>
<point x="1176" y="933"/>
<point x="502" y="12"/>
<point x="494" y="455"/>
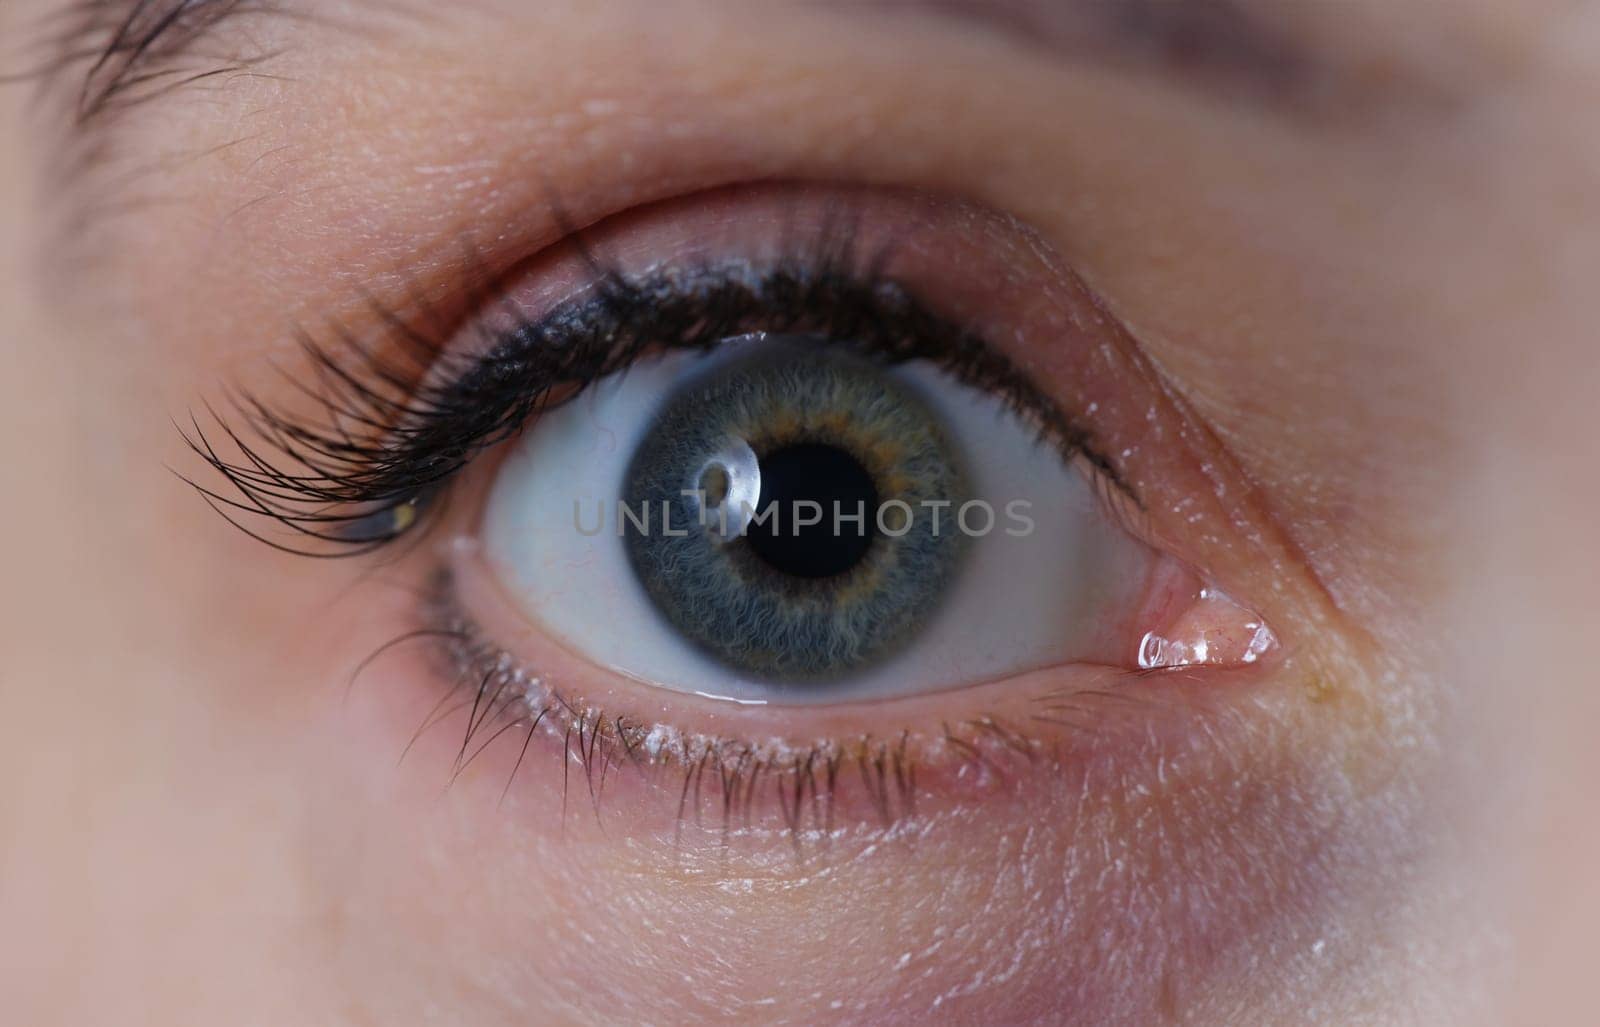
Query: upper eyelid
<point x="268" y="166"/>
<point x="422" y="416"/>
<point x="984" y="268"/>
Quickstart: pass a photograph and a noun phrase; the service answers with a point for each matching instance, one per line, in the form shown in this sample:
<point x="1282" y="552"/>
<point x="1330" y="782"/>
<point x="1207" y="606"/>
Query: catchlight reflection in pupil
<point x="803" y="583"/>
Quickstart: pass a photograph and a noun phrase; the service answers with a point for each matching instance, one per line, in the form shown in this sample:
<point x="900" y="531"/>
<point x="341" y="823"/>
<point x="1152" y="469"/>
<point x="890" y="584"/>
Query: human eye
<point x="546" y="359"/>
<point x="742" y="481"/>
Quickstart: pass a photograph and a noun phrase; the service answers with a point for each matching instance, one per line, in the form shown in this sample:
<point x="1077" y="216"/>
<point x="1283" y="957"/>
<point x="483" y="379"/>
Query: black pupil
<point x="824" y="475"/>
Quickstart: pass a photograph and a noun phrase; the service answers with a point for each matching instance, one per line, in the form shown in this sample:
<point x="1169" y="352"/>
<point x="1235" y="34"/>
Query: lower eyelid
<point x="527" y="708"/>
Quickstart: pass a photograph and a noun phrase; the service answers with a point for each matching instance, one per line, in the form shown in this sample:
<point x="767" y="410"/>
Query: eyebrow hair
<point x="133" y="50"/>
<point x="137" y="49"/>
<point x="1218" y="43"/>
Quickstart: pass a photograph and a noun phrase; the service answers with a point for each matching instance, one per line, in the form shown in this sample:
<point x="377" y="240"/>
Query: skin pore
<point x="1352" y="245"/>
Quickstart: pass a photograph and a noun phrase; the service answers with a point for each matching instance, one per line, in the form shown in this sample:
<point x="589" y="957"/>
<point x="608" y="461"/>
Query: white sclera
<point x="1018" y="601"/>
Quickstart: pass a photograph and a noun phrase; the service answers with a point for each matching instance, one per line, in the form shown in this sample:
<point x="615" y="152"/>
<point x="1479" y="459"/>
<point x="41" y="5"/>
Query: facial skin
<point x="1360" y="270"/>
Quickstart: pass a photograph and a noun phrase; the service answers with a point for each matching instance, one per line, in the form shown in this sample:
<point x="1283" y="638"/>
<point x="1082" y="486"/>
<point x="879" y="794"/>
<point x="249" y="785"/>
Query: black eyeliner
<point x="399" y="421"/>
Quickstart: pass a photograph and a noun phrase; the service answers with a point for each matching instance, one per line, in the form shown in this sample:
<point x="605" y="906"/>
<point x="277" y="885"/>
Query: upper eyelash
<point x="397" y="422"/>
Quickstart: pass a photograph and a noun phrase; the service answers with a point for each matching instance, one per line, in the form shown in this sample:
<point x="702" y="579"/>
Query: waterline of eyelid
<point x="880" y="771"/>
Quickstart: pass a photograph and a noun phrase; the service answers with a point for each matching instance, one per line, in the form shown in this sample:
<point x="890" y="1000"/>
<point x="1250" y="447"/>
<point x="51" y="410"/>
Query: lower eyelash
<point x="804" y="779"/>
<point x="720" y="784"/>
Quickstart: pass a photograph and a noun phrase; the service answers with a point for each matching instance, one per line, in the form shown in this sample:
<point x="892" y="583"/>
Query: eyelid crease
<point x="398" y="421"/>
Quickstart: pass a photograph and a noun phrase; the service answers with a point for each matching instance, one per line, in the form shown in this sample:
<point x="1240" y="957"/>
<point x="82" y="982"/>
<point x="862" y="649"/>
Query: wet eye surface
<point x="788" y="520"/>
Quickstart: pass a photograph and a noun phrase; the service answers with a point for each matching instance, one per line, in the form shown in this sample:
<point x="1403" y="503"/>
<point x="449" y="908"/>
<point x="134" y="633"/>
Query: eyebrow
<point x="139" y="49"/>
<point x="134" y="50"/>
<point x="1215" y="44"/>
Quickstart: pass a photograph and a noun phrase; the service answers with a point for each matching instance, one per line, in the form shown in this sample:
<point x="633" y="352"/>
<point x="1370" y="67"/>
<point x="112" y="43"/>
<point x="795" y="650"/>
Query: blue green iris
<point x="783" y="512"/>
